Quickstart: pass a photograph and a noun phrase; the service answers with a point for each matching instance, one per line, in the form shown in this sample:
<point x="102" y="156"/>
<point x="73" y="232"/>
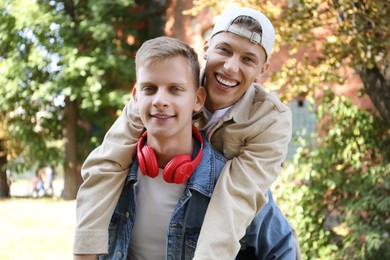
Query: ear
<point x="205" y="48"/>
<point x="200" y="99"/>
<point x="264" y="68"/>
<point x="134" y="95"/>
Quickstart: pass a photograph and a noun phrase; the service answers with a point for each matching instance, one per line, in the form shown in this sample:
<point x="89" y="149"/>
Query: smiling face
<point x="166" y="97"/>
<point x="232" y="65"/>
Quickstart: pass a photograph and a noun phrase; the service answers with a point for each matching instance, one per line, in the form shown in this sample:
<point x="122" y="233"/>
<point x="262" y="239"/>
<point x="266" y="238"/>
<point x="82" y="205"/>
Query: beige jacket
<point x="254" y="134"/>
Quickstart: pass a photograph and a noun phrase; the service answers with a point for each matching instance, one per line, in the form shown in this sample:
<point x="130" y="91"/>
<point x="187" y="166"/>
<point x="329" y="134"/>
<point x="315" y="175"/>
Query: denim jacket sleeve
<point x="104" y="172"/>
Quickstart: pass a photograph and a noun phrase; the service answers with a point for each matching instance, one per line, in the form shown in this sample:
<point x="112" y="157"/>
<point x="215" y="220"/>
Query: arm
<point x="241" y="190"/>
<point x="104" y="172"/>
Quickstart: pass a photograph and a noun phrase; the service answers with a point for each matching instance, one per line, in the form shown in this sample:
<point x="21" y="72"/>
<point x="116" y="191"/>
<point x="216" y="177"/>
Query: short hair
<point x="162" y="48"/>
<point x="249" y="23"/>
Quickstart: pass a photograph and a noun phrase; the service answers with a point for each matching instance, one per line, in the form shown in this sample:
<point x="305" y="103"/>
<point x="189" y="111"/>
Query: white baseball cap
<point x="266" y="39"/>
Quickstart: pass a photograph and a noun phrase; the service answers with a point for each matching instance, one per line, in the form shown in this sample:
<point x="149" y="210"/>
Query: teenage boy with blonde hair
<point x="250" y="126"/>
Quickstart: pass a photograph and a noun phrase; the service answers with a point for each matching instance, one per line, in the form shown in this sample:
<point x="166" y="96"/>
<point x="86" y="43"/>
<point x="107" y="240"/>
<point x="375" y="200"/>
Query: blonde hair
<point x="162" y="48"/>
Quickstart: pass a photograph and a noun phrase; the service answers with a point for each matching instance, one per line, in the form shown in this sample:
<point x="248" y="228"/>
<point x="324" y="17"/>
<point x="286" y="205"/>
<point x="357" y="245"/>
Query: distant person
<point x="49" y="177"/>
<point x="38" y="184"/>
<point x="8" y="176"/>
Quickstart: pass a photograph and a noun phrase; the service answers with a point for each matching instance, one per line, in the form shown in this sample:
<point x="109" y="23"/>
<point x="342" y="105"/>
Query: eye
<point x="223" y="50"/>
<point x="250" y="60"/>
<point x="176" y="89"/>
<point x="148" y="89"/>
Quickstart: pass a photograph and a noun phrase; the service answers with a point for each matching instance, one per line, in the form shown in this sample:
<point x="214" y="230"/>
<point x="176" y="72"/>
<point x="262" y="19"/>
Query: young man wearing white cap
<point x="248" y="125"/>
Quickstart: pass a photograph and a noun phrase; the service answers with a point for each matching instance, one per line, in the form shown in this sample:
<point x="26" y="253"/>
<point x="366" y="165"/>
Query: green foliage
<point x="340" y="189"/>
<point x="50" y="50"/>
<point x="325" y="36"/>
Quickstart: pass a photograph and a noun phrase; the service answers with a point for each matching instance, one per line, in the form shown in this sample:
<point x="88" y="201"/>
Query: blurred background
<point x="67" y="70"/>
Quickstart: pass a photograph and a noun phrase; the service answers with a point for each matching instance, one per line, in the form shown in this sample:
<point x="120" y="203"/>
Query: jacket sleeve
<point x="104" y="172"/>
<point x="241" y="190"/>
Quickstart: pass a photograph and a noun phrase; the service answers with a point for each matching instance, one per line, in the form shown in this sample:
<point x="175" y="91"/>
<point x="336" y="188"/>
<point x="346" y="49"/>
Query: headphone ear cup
<point x="146" y="158"/>
<point x="150" y="162"/>
<point x="140" y="156"/>
<point x="141" y="162"/>
<point x="179" y="169"/>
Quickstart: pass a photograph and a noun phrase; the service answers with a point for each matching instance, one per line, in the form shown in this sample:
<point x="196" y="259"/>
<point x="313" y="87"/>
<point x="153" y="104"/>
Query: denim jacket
<point x="268" y="236"/>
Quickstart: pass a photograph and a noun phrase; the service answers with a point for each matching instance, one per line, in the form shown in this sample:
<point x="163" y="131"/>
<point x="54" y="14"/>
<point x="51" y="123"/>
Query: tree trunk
<point x="4" y="184"/>
<point x="376" y="83"/>
<point x="155" y="18"/>
<point x="71" y="169"/>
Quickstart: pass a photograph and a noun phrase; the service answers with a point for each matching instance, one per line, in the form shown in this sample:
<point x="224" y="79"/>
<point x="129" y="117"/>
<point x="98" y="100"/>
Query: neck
<point x="209" y="106"/>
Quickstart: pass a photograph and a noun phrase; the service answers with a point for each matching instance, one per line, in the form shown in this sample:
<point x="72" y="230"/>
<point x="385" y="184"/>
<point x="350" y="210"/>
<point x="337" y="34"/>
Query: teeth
<point x="226" y="83"/>
<point x="162" y="117"/>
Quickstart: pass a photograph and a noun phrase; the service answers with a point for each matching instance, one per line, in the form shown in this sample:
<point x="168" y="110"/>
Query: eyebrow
<point x="148" y="83"/>
<point x="258" y="57"/>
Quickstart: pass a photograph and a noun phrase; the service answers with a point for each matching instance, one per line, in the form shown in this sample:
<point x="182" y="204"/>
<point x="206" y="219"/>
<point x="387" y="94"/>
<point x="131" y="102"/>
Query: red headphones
<point x="178" y="170"/>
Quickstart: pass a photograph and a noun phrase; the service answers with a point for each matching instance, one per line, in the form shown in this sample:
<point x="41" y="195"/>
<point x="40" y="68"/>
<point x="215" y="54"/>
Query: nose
<point x="231" y="65"/>
<point x="161" y="99"/>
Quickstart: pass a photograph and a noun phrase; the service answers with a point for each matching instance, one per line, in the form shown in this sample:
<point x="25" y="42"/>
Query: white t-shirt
<point x="156" y="200"/>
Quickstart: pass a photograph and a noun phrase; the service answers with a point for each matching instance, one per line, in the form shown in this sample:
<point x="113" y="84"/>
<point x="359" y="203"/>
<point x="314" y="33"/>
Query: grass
<point x="40" y="229"/>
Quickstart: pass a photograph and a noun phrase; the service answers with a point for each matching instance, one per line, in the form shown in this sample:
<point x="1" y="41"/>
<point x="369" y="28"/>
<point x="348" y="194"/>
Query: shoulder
<point x="216" y="160"/>
<point x="258" y="106"/>
<point x="206" y="173"/>
<point x="260" y="95"/>
<point x="211" y="152"/>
